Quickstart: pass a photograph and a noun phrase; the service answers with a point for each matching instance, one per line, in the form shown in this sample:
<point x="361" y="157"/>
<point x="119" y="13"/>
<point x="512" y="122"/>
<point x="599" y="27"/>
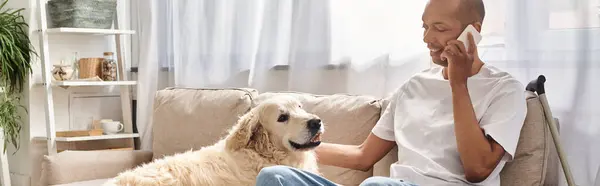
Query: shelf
<point x="90" y="138"/>
<point x="50" y="84"/>
<point x="92" y="83"/>
<point x="90" y="31"/>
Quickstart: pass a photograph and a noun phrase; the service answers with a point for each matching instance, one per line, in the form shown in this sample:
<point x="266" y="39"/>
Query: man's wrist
<point x="458" y="86"/>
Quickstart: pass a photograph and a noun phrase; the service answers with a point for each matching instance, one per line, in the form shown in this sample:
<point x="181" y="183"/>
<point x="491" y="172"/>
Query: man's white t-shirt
<point x="420" y="120"/>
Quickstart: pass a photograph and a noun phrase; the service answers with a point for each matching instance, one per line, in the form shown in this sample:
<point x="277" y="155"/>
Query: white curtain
<point x="368" y="47"/>
<point x="561" y="39"/>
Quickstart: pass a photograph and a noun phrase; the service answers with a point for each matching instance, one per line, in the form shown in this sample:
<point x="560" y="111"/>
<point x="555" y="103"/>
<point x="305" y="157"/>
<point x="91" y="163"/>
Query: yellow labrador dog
<point x="276" y="132"/>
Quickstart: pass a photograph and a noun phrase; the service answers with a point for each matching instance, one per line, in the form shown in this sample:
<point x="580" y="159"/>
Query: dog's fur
<point x="256" y="141"/>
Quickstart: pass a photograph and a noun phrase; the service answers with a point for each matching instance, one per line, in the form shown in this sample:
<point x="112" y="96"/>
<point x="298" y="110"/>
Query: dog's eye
<point x="283" y="118"/>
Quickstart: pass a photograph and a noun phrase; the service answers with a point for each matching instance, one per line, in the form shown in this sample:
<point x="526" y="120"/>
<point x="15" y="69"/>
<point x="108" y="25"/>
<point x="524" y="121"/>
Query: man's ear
<point x="477" y="26"/>
<point x="241" y="134"/>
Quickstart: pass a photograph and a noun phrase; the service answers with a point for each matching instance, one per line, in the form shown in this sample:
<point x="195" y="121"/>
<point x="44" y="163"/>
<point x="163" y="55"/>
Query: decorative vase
<point x="109" y="67"/>
<point x="62" y="72"/>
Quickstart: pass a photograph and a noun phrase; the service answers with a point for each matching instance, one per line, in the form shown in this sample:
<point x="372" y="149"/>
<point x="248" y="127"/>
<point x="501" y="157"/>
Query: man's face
<point x="440" y="24"/>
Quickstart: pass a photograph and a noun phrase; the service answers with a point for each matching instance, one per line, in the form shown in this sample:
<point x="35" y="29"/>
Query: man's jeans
<point x="283" y="175"/>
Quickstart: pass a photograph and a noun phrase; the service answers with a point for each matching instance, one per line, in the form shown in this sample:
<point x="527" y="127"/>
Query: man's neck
<point x="477" y="64"/>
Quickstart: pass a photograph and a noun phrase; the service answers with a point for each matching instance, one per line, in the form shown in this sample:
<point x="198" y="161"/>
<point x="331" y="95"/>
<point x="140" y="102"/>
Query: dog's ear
<point x="260" y="142"/>
<point x="241" y="134"/>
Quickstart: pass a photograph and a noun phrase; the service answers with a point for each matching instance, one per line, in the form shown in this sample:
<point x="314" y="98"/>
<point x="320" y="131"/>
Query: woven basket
<point x="82" y="13"/>
<point x="90" y="67"/>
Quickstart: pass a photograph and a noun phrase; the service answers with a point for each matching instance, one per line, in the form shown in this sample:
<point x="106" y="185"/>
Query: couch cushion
<point x="530" y="162"/>
<point x="85" y="183"/>
<point x="187" y="119"/>
<point x="552" y="170"/>
<point x="76" y="166"/>
<point x="348" y="120"/>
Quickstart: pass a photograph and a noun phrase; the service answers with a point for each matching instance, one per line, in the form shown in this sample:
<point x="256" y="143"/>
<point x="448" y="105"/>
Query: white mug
<point x="112" y="127"/>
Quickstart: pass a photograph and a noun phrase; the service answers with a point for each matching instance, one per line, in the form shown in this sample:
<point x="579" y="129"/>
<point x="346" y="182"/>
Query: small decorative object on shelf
<point x="90" y="68"/>
<point x="82" y="13"/>
<point x="62" y="72"/>
<point x="95" y="131"/>
<point x="109" y="67"/>
<point x="112" y="127"/>
<point x="75" y="65"/>
<point x="79" y="133"/>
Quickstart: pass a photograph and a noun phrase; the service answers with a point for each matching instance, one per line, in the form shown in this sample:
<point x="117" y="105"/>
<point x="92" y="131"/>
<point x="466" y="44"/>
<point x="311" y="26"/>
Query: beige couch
<point x="191" y="118"/>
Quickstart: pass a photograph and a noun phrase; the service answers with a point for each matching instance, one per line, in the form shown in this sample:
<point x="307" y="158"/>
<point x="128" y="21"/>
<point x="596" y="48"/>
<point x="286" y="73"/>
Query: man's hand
<point x="460" y="61"/>
<point x="361" y="157"/>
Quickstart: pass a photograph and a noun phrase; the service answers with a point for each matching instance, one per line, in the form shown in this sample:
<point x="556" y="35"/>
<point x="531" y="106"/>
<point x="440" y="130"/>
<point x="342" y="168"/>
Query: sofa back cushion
<point x="528" y="168"/>
<point x="187" y="119"/>
<point x="348" y="120"/>
<point x="76" y="166"/>
<point x="553" y="172"/>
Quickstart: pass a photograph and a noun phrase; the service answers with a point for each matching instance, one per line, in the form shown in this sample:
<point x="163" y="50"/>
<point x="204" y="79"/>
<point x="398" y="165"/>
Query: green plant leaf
<point x="15" y="66"/>
<point x="2" y="6"/>
<point x="10" y="120"/>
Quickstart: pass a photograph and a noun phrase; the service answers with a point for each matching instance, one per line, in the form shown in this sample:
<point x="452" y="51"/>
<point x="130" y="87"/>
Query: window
<point x="571" y="14"/>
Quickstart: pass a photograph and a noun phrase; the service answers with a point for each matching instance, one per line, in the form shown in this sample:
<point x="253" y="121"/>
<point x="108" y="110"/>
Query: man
<point x="457" y="124"/>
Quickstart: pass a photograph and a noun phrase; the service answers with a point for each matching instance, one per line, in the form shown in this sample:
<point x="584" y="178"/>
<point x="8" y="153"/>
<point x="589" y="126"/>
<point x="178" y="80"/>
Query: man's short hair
<point x="472" y="10"/>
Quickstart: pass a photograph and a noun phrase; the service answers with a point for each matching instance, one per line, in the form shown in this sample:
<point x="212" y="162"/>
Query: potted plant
<point x="15" y="65"/>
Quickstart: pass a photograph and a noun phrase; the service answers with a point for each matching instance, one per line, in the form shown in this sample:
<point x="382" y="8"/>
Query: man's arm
<point x="361" y="157"/>
<point x="479" y="154"/>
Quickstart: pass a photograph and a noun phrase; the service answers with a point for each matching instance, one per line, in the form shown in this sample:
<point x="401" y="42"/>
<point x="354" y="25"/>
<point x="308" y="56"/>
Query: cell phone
<point x="464" y="36"/>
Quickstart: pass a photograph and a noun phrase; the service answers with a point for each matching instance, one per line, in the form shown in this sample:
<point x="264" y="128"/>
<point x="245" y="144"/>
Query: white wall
<point x="62" y="46"/>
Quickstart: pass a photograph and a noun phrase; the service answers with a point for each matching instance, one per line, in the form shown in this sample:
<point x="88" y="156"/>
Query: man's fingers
<point x="444" y="55"/>
<point x="459" y="45"/>
<point x="453" y="49"/>
<point x="472" y="46"/>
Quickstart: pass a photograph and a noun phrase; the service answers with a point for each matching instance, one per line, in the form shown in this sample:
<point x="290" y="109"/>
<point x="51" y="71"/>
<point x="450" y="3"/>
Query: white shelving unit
<point x="88" y="138"/>
<point x="87" y="31"/>
<point x="49" y="83"/>
<point x="93" y="83"/>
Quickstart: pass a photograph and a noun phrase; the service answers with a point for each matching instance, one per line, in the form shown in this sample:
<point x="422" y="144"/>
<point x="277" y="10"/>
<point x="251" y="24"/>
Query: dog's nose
<point x="314" y="124"/>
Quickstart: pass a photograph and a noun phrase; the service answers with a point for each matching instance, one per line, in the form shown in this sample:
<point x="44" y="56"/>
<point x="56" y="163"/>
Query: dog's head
<point x="279" y="122"/>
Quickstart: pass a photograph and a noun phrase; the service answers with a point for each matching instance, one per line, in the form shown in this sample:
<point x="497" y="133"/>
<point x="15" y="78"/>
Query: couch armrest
<point x="73" y="166"/>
